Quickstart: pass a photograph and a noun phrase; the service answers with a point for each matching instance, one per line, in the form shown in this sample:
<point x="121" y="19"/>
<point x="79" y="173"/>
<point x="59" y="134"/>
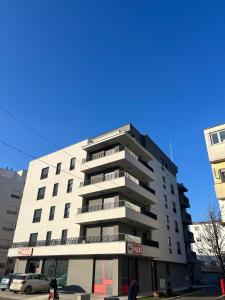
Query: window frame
<point x="58" y="168"/>
<point x="36" y="219"/>
<point x="55" y="186"/>
<point x="66" y="210"/>
<point x="40" y="197"/>
<point x="69" y="186"/>
<point x="51" y="215"/>
<point x="72" y="163"/>
<point x="43" y="176"/>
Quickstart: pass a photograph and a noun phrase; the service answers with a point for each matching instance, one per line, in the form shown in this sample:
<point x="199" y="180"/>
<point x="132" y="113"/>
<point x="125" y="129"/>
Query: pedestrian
<point x="132" y="290"/>
<point x="53" y="286"/>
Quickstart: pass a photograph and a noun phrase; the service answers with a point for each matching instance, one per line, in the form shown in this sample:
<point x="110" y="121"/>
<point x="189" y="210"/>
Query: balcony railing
<point x="116" y="204"/>
<point x="92" y="239"/>
<point x="107" y="177"/>
<point x="114" y="150"/>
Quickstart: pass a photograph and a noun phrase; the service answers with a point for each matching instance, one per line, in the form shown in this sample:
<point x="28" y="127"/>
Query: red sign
<point x="134" y="249"/>
<point x="25" y="251"/>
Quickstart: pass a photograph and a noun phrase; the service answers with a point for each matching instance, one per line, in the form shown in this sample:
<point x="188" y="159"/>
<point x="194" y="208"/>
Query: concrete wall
<point x="80" y="273"/>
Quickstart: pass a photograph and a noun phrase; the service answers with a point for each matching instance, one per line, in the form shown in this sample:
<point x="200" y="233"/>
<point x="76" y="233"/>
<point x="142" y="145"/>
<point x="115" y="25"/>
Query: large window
<point x="33" y="239"/>
<point x="41" y="193"/>
<point x="72" y="163"/>
<point x="103" y="277"/>
<point x="37" y="215"/>
<point x="44" y="173"/>
<point x="67" y="210"/>
<point x="217" y="137"/>
<point x="56" y="267"/>
<point x="70" y="186"/>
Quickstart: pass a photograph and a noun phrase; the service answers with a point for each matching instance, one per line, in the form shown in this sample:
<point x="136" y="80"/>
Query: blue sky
<point x="74" y="69"/>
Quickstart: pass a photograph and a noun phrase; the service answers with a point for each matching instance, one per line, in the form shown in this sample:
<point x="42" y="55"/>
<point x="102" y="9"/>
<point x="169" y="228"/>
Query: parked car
<point x="6" y="281"/>
<point x="29" y="283"/>
<point x="62" y="280"/>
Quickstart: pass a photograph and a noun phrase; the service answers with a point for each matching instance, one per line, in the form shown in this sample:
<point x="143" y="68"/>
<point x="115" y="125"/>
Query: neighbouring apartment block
<point x="11" y="190"/>
<point x="103" y="211"/>
<point x="215" y="142"/>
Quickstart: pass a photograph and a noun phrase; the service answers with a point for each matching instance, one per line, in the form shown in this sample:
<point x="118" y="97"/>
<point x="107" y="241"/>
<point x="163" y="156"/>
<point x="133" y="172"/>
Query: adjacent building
<point x="11" y="190"/>
<point x="103" y="211"/>
<point x="215" y="142"/>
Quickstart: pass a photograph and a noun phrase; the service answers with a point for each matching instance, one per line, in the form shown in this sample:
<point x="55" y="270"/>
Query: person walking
<point x="132" y="290"/>
<point x="53" y="286"/>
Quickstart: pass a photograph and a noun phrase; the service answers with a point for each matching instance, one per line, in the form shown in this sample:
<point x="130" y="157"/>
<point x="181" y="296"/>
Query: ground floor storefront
<point x="108" y="275"/>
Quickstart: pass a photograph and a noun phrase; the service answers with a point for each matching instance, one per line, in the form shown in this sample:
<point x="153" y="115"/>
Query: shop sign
<point x="25" y="251"/>
<point x="134" y="249"/>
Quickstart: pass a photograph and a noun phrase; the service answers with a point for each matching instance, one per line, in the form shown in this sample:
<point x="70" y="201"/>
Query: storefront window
<point x="103" y="280"/>
<point x="56" y="267"/>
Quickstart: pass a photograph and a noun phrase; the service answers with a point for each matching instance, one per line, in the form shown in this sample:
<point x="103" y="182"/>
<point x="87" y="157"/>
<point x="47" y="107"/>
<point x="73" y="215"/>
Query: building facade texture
<point x="102" y="212"/>
<point x="11" y="190"/>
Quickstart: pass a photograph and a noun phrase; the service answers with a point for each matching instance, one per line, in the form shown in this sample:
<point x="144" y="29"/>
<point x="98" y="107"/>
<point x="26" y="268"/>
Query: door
<point x="103" y="280"/>
<point x="109" y="203"/>
<point x="108" y="233"/>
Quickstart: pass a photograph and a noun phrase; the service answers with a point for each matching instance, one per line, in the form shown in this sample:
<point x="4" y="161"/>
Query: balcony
<point x="118" y="156"/>
<point x="117" y="183"/>
<point x="122" y="210"/>
<point x="91" y="245"/>
<point x="186" y="218"/>
<point x="118" y="137"/>
<point x="220" y="190"/>
<point x="184" y="201"/>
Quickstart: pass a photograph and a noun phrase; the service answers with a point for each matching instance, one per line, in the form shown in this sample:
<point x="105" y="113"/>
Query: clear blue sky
<point x="74" y="69"/>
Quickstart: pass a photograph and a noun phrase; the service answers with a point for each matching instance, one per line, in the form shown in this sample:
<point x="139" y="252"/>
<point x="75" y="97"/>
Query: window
<point x="72" y="163"/>
<point x="55" y="190"/>
<point x="14" y="196"/>
<point x="44" y="173"/>
<point x="178" y="248"/>
<point x="67" y="210"/>
<point x="176" y="226"/>
<point x="37" y="215"/>
<point x="165" y="198"/>
<point x="166" y="205"/>
<point x="58" y="168"/>
<point x="172" y="189"/>
<point x="48" y="238"/>
<point x="51" y="213"/>
<point x="167" y="219"/>
<point x="217" y="137"/>
<point x="70" y="186"/>
<point x="164" y="179"/>
<point x="174" y="207"/>
<point x="41" y="193"/>
<point x="222" y="175"/>
<point x="33" y="239"/>
<point x="64" y="237"/>
<point x="196" y="228"/>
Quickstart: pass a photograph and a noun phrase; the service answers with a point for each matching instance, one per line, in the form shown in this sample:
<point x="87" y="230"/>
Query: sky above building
<point x="74" y="69"/>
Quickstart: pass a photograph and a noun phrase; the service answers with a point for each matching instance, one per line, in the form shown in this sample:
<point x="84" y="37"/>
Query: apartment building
<point x="11" y="190"/>
<point x="101" y="212"/>
<point x="215" y="142"/>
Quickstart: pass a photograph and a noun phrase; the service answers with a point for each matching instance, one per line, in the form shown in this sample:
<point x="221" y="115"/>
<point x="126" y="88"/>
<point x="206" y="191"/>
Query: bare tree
<point x="211" y="243"/>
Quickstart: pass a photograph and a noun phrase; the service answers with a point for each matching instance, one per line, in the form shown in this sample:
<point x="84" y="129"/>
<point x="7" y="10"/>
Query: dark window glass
<point x="41" y="193"/>
<point x="48" y="238"/>
<point x="176" y="226"/>
<point x="174" y="207"/>
<point x="67" y="210"/>
<point x="55" y="189"/>
<point x="64" y="237"/>
<point x="172" y="189"/>
<point x="164" y="179"/>
<point x="214" y="138"/>
<point x="58" y="168"/>
<point x="15" y="196"/>
<point x="44" y="173"/>
<point x="37" y="215"/>
<point x="178" y="248"/>
<point x="51" y="213"/>
<point x="70" y="186"/>
<point x="72" y="163"/>
<point x="33" y="239"/>
<point x="222" y="136"/>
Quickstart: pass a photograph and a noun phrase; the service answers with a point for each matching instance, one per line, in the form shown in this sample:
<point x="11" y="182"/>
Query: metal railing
<point x="106" y="177"/>
<point x="116" y="204"/>
<point x="114" y="150"/>
<point x="91" y="239"/>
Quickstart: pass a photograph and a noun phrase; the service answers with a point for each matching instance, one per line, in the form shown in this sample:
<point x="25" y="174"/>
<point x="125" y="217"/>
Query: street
<point x="208" y="293"/>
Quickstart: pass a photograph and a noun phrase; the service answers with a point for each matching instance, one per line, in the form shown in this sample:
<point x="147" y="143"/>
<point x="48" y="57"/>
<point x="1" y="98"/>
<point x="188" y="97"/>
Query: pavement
<point x="206" y="293"/>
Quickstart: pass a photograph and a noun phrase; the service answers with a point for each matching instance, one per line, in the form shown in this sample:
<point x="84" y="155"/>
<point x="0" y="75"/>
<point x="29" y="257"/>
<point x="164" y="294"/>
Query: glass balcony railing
<point x="115" y="175"/>
<point x="116" y="204"/>
<point x="92" y="239"/>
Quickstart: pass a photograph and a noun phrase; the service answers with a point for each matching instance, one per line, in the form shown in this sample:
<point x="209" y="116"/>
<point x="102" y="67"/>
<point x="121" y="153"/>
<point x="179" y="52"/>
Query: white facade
<point x="11" y="190"/>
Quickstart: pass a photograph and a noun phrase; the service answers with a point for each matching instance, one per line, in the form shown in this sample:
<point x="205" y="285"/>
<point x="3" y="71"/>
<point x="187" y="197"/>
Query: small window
<point x="67" y="210"/>
<point x="44" y="173"/>
<point x="72" y="163"/>
<point x="196" y="228"/>
<point x="166" y="205"/>
<point x="167" y="219"/>
<point x="33" y="239"/>
<point x="37" y="215"/>
<point x="169" y="241"/>
<point x="172" y="189"/>
<point x="164" y="179"/>
<point x="178" y="248"/>
<point x="222" y="136"/>
<point x="41" y="193"/>
<point x="55" y="190"/>
<point x="165" y="198"/>
<point x="51" y="213"/>
<point x="70" y="186"/>
<point x="214" y="138"/>
<point x="64" y="237"/>
<point x="48" y="238"/>
<point x="58" y="168"/>
<point x="168" y="227"/>
<point x="176" y="226"/>
<point x="222" y="175"/>
<point x="174" y="207"/>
